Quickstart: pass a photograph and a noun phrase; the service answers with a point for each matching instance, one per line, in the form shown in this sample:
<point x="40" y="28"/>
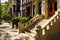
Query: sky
<point x="3" y="1"/>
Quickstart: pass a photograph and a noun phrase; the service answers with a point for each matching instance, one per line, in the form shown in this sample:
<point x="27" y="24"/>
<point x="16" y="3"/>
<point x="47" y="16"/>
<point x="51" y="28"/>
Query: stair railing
<point x="22" y="26"/>
<point x="49" y="23"/>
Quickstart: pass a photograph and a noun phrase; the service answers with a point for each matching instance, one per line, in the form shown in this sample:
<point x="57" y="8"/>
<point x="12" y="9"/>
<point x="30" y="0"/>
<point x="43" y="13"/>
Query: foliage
<point x="3" y="11"/>
<point x="24" y="19"/>
<point x="16" y="20"/>
<point x="20" y="19"/>
<point x="6" y="17"/>
<point x="0" y="11"/>
<point x="7" y="5"/>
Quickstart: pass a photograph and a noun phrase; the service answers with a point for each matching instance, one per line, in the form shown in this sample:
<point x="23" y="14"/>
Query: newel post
<point x="20" y="27"/>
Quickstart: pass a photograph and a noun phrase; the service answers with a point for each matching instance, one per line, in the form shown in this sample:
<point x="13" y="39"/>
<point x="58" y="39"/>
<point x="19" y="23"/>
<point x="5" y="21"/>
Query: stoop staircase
<point x="38" y="30"/>
<point x="35" y="29"/>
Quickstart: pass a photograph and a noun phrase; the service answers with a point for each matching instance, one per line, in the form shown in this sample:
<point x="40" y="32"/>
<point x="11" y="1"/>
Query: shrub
<point x="20" y="19"/>
<point x="24" y="19"/>
<point x="16" y="20"/>
<point x="6" y="17"/>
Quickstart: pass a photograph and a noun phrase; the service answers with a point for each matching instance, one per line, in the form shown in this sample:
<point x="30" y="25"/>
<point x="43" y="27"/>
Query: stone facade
<point x="22" y="7"/>
<point x="33" y="7"/>
<point x="50" y="8"/>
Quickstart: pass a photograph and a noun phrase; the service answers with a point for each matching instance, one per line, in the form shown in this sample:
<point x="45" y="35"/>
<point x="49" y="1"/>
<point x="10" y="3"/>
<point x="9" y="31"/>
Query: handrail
<point x="49" y="23"/>
<point x="22" y="26"/>
<point x="52" y="18"/>
<point x="43" y="29"/>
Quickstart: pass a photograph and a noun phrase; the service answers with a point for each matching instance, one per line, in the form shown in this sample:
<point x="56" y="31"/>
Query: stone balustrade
<point x="49" y="23"/>
<point x="22" y="26"/>
<point x="45" y="28"/>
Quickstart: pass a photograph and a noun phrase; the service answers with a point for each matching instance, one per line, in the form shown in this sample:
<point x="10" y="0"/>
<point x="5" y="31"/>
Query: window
<point x="18" y="5"/>
<point x="40" y="5"/>
<point x="50" y="7"/>
<point x="33" y="10"/>
<point x="28" y="10"/>
<point x="10" y="11"/>
<point x="13" y="8"/>
<point x="24" y="12"/>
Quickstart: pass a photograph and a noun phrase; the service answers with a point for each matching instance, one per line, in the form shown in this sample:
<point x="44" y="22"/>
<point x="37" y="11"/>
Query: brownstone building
<point x="45" y="7"/>
<point x="22" y="7"/>
<point x="32" y="7"/>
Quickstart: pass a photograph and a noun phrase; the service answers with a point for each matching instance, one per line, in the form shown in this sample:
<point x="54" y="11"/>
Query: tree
<point x="4" y="14"/>
<point x="0" y="11"/>
<point x="6" y="17"/>
<point x="3" y="11"/>
<point x="19" y="19"/>
<point x="7" y="5"/>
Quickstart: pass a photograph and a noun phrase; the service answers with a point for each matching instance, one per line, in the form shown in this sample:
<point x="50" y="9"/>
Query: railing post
<point x="54" y="19"/>
<point x="59" y="13"/>
<point x="57" y="16"/>
<point x="20" y="27"/>
<point x="47" y="27"/>
<point x="44" y="35"/>
<point x="43" y="32"/>
<point x="51" y="23"/>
